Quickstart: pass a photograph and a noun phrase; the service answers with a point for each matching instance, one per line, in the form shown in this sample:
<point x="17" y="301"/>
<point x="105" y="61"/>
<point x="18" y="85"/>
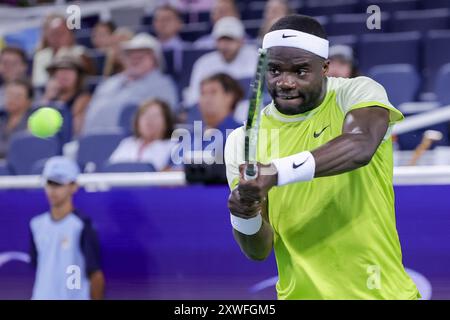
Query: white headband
<point x="296" y="39"/>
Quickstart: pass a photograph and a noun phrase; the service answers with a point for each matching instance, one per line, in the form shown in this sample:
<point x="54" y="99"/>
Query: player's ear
<point x="325" y="66"/>
<point x="74" y="187"/>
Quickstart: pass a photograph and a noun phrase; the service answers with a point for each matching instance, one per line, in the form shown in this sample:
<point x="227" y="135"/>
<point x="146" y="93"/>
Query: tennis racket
<point x="253" y="117"/>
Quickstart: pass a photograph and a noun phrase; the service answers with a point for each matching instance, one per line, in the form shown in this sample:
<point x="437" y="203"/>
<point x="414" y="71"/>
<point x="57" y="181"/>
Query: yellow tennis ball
<point x="45" y="122"/>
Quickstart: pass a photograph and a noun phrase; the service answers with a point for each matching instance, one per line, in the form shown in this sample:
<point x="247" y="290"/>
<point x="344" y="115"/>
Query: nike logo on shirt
<point x="288" y="36"/>
<point x="317" y="134"/>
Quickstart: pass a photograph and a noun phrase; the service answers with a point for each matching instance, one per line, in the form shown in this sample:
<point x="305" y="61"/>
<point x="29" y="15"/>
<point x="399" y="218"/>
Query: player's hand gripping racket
<point x="253" y="118"/>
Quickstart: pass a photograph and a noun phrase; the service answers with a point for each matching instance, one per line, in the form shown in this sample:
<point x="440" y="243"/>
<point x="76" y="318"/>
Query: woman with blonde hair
<point x="57" y="40"/>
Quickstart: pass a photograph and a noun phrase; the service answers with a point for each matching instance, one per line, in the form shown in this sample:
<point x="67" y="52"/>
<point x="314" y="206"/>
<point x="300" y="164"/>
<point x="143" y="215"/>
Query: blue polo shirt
<point x="65" y="253"/>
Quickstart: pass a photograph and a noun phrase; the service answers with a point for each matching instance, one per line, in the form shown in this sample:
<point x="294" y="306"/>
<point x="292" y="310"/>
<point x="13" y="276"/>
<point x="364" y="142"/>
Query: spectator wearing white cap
<point x="232" y="57"/>
<point x="141" y="79"/>
<point x="64" y="246"/>
<point x="342" y="62"/>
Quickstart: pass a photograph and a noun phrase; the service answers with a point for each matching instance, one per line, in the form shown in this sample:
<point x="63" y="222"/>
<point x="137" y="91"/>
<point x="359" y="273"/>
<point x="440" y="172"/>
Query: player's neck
<point x="214" y="121"/>
<point x="61" y="211"/>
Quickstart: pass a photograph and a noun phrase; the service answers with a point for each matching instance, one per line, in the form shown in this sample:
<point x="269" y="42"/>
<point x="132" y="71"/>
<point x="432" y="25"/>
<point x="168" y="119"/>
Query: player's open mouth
<point x="289" y="98"/>
<point x="295" y="99"/>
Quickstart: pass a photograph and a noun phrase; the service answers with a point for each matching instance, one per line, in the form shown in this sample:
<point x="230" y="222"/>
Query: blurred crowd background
<point x="132" y="74"/>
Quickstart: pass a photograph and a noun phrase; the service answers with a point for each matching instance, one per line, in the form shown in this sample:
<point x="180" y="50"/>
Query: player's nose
<point x="286" y="81"/>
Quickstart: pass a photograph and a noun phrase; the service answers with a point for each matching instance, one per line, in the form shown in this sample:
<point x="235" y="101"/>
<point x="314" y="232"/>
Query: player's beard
<point x="304" y="101"/>
<point x="300" y="104"/>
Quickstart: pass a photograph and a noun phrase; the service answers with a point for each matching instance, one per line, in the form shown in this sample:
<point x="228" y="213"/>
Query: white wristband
<point x="246" y="226"/>
<point x="295" y="168"/>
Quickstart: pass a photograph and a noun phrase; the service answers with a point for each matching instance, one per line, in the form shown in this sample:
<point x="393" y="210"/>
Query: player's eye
<point x="274" y="71"/>
<point x="301" y="72"/>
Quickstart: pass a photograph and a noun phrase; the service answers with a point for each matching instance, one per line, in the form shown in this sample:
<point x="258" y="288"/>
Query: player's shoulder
<point x="341" y="85"/>
<point x="39" y="220"/>
<point x="82" y="217"/>
<point x="236" y="135"/>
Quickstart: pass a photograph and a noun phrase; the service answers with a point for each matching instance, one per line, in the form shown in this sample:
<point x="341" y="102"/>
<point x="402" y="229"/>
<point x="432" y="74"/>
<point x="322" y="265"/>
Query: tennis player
<point x="324" y="197"/>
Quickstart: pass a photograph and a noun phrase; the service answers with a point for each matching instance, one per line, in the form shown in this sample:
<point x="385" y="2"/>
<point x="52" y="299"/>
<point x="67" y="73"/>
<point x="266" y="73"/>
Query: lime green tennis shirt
<point x="334" y="237"/>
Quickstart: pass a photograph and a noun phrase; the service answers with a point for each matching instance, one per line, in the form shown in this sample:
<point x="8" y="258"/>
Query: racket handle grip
<point x="251" y="172"/>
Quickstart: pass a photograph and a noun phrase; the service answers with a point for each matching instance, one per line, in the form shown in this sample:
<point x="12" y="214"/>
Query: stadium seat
<point x="410" y="140"/>
<point x="89" y="21"/>
<point x="349" y="40"/>
<point x="26" y="39"/>
<point x="4" y="170"/>
<point x="356" y="24"/>
<point x="401" y="81"/>
<point x="193" y="31"/>
<point x="326" y="8"/>
<point x="203" y="16"/>
<point x="128" y="167"/>
<point x="442" y="88"/>
<point x="252" y="27"/>
<point x="25" y="150"/>
<point x="190" y="55"/>
<point x="427" y="4"/>
<point x="436" y="54"/>
<point x="254" y="10"/>
<point x="127" y="117"/>
<point x="38" y="167"/>
<point x="83" y="37"/>
<point x="421" y="20"/>
<point x="397" y="5"/>
<point x="129" y="17"/>
<point x="95" y="149"/>
<point x="388" y="48"/>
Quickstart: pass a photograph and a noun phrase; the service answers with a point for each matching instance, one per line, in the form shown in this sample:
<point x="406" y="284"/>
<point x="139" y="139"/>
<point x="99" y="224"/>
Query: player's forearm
<point x="347" y="152"/>
<point x="257" y="246"/>
<point x="97" y="285"/>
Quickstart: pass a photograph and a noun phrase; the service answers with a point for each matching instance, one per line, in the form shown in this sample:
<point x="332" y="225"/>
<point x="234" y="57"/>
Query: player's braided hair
<point x="300" y="23"/>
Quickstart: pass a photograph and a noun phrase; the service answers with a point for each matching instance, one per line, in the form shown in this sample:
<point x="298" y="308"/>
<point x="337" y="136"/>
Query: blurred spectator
<point x="61" y="238"/>
<point x="57" y="39"/>
<point x="113" y="61"/>
<point x="342" y="62"/>
<point x="65" y="87"/>
<point x="232" y="57"/>
<point x="219" y="10"/>
<point x="18" y="99"/>
<point x="274" y="10"/>
<point x="167" y="24"/>
<point x="102" y="35"/>
<point x="141" y="80"/>
<point x="153" y="127"/>
<point x="219" y="97"/>
<point x="13" y="66"/>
